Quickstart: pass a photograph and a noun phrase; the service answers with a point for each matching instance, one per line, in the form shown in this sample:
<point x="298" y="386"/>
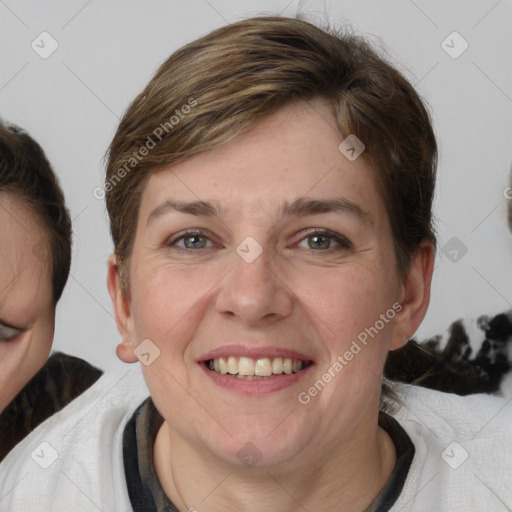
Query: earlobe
<point x="125" y="352"/>
<point x="122" y="310"/>
<point x="415" y="295"/>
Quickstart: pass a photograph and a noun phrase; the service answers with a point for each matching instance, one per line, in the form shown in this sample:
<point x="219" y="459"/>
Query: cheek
<point x="42" y="341"/>
<point x="344" y="301"/>
<point x="345" y="305"/>
<point x="166" y="304"/>
<point x="37" y="353"/>
<point x="24" y="357"/>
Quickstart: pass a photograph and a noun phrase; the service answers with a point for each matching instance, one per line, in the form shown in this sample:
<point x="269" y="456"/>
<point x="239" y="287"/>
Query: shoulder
<point x="453" y="414"/>
<point x="75" y="367"/>
<point x="463" y="450"/>
<point x="56" y="384"/>
<point x="76" y="456"/>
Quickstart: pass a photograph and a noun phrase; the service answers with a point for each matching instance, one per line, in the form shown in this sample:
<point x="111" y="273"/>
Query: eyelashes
<point x="319" y="234"/>
<point x="189" y="235"/>
<point x="9" y="333"/>
<point x="201" y="239"/>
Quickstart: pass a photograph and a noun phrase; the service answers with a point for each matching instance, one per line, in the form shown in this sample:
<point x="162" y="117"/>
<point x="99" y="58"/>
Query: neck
<point x="351" y="472"/>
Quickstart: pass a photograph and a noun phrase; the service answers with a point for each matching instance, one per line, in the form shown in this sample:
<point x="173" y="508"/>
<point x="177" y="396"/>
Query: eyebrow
<point x="301" y="207"/>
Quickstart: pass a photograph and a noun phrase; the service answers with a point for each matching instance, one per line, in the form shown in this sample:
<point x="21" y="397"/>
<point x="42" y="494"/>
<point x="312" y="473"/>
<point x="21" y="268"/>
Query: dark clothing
<point x="56" y="384"/>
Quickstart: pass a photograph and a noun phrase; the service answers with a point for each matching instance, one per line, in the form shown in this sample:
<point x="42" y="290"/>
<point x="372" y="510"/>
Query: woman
<point x="35" y="257"/>
<point x="270" y="197"/>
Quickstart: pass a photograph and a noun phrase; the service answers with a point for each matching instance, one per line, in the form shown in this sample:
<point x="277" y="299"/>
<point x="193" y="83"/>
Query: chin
<point x="259" y="442"/>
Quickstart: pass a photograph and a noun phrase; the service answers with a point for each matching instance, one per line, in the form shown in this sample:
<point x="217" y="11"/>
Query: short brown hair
<point x="25" y="171"/>
<point x="249" y="69"/>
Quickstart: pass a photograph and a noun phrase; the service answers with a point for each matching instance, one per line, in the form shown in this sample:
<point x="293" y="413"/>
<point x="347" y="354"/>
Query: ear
<point x="121" y="303"/>
<point x="415" y="295"/>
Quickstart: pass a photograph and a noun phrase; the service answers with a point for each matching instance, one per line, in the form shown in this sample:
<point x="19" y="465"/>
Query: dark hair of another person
<point x="26" y="172"/>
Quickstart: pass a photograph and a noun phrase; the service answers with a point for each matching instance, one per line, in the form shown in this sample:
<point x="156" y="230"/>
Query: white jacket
<point x="74" y="461"/>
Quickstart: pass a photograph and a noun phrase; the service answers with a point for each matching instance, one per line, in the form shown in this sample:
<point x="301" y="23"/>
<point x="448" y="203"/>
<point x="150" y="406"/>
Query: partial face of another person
<point x="296" y="262"/>
<point x="27" y="310"/>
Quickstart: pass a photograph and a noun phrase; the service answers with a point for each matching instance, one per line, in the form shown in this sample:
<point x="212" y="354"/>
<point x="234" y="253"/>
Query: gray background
<point x="72" y="100"/>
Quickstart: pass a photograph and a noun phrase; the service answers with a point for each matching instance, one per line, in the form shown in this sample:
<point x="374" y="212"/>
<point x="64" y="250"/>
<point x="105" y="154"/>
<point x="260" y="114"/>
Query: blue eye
<point x="194" y="242"/>
<point x="323" y="240"/>
<point x="191" y="240"/>
<point x="319" y="240"/>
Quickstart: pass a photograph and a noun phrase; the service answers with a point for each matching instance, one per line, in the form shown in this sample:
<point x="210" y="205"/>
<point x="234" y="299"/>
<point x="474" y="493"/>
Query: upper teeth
<point x="262" y="367"/>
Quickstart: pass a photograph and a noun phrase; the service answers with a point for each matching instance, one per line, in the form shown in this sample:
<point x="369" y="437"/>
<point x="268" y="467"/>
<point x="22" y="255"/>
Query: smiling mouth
<point x="261" y="368"/>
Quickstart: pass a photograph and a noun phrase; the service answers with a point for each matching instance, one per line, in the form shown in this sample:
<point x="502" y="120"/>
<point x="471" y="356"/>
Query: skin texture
<point x="294" y="296"/>
<point x="26" y="301"/>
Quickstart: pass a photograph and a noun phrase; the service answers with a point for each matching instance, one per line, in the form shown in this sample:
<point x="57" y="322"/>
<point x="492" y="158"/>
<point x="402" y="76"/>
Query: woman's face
<point x="296" y="263"/>
<point x="27" y="311"/>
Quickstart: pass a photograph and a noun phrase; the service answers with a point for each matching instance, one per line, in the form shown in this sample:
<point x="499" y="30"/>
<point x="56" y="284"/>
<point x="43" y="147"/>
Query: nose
<point x="254" y="293"/>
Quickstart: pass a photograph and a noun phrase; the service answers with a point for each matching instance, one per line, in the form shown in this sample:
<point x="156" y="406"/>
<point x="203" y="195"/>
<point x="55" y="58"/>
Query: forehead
<point x="293" y="152"/>
<point x="20" y="224"/>
<point x="24" y="251"/>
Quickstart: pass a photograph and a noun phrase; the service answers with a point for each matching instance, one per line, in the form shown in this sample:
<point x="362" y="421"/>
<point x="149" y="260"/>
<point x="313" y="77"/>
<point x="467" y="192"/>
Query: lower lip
<point x="256" y="386"/>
